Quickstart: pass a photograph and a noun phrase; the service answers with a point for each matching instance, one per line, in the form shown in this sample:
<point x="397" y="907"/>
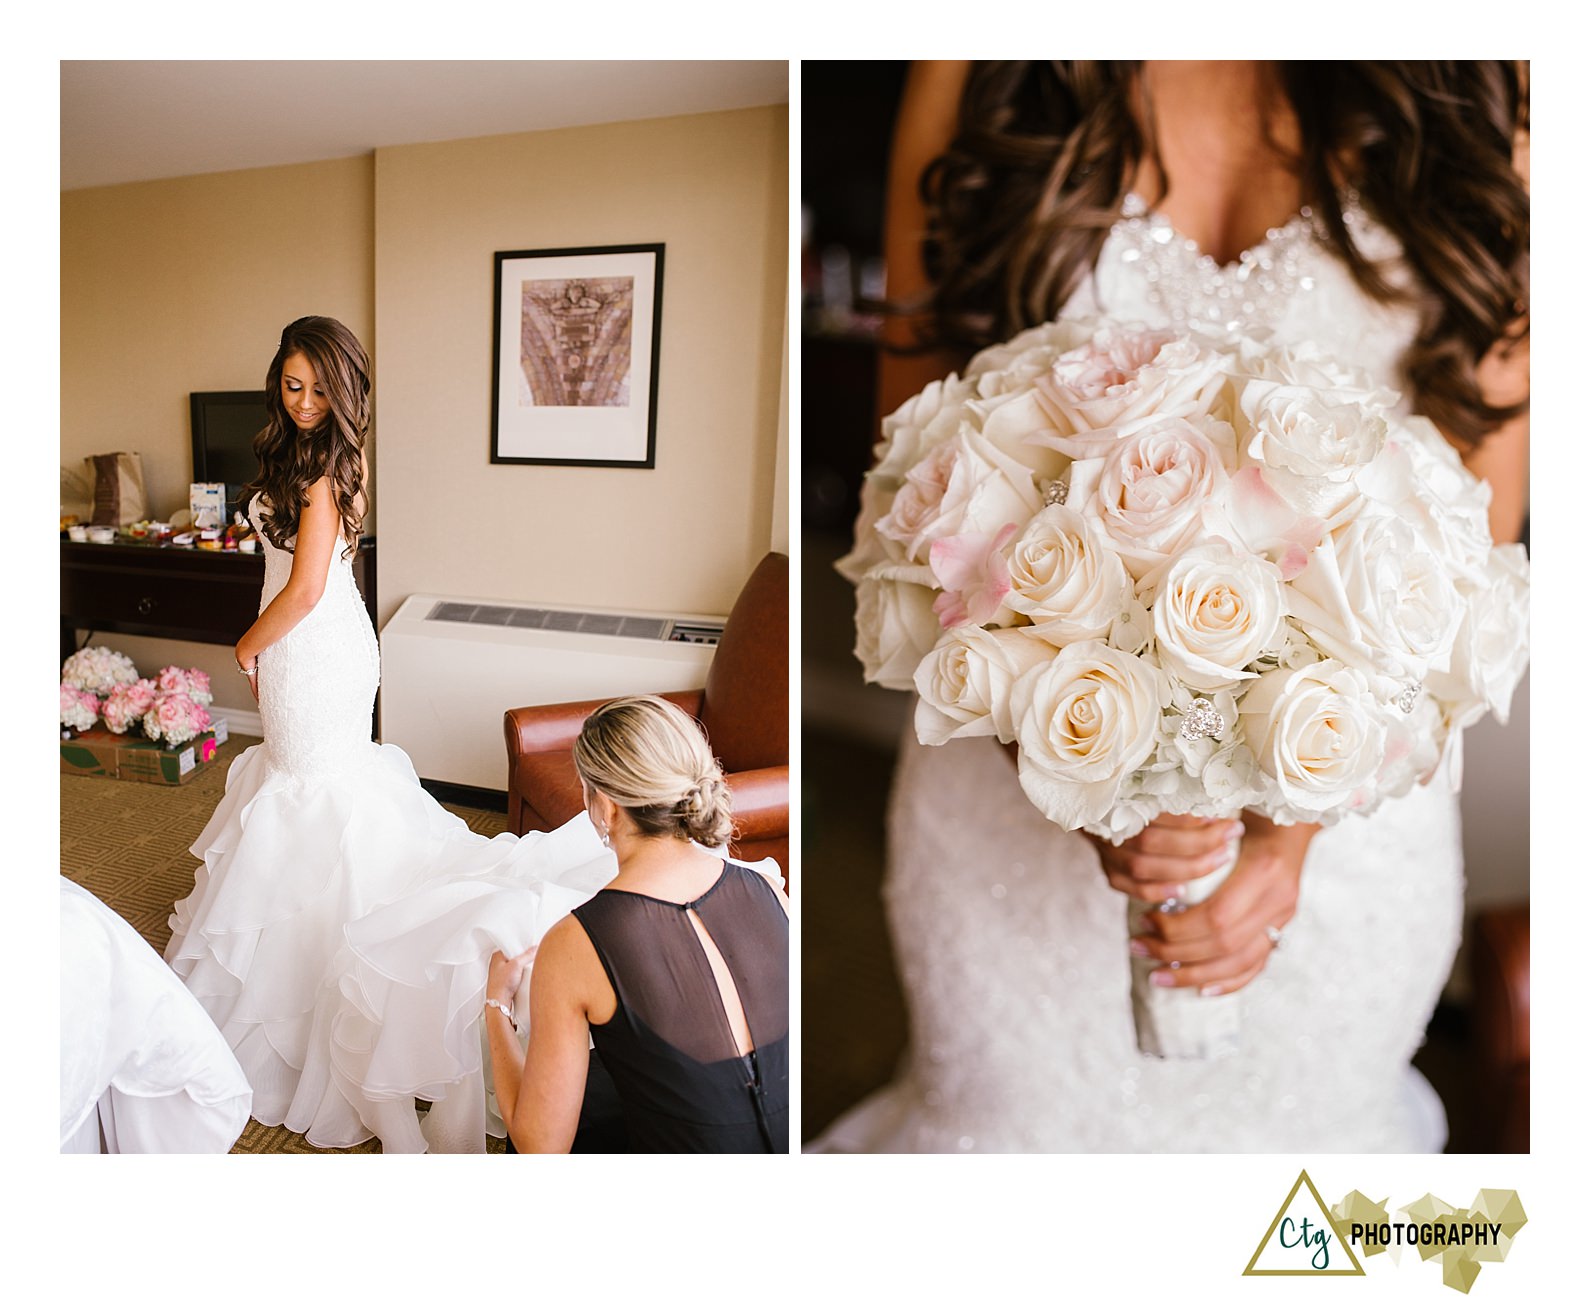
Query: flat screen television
<point x="224" y="427"/>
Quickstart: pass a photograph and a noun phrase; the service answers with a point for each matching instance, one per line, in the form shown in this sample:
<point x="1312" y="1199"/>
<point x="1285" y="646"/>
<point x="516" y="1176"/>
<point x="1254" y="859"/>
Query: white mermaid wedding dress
<point x="1012" y="947"/>
<point x="341" y="923"/>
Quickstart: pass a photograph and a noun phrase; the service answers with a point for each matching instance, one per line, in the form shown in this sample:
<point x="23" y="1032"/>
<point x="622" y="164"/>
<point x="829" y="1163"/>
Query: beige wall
<point x="183" y="285"/>
<point x="683" y="536"/>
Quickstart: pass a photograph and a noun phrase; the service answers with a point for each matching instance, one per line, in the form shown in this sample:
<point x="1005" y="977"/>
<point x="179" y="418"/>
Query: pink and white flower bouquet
<point x="174" y="719"/>
<point x="1188" y="575"/>
<point x="79" y="708"/>
<point x="189" y="680"/>
<point x="125" y="705"/>
<point x="97" y="670"/>
<point x="171" y="708"/>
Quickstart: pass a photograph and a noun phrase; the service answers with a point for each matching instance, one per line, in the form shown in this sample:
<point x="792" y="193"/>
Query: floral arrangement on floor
<point x="1184" y="574"/>
<point x="97" y="670"/>
<point x="79" y="708"/>
<point x="171" y="709"/>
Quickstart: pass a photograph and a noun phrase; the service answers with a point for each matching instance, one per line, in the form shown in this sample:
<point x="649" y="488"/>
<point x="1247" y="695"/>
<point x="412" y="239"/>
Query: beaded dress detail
<point x="1009" y="941"/>
<point x="341" y="920"/>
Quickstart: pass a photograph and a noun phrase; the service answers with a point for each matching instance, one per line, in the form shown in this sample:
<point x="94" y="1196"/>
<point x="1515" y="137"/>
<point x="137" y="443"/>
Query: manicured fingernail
<point x="1209" y="990"/>
<point x="1138" y="948"/>
<point x="1236" y="830"/>
<point x="1161" y="978"/>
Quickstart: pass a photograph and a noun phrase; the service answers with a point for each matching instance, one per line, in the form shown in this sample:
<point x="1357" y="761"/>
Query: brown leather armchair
<point x="744" y="709"/>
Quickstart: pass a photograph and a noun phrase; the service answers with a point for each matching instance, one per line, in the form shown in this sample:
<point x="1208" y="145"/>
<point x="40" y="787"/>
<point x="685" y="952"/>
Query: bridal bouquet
<point x="1184" y="574"/>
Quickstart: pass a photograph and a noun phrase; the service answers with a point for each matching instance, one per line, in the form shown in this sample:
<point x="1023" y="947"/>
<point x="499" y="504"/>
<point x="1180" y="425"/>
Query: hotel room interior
<point x="204" y="205"/>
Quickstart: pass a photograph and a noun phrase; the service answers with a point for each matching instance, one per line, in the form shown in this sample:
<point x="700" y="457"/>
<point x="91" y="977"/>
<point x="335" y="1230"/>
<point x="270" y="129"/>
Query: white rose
<point x="1492" y="646"/>
<point x="1372" y="597"/>
<point x="895" y="625"/>
<point x="1084" y="722"/>
<point x="1415" y="744"/>
<point x="1017" y="426"/>
<point x="968" y="486"/>
<point x="1422" y="481"/>
<point x="965" y="683"/>
<point x="1013" y="366"/>
<point x="1309" y="433"/>
<point x="1318" y="733"/>
<point x="929" y="418"/>
<point x="1122" y="379"/>
<point x="869" y="548"/>
<point x="1066" y="578"/>
<point x="1307" y="366"/>
<point x="1215" y="612"/>
<point x="1156" y="493"/>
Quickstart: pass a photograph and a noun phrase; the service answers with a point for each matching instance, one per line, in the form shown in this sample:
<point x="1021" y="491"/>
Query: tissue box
<point x="207" y="502"/>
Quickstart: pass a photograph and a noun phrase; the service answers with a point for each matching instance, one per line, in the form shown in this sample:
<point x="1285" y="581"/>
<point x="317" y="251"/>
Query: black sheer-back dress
<point x="678" y="1076"/>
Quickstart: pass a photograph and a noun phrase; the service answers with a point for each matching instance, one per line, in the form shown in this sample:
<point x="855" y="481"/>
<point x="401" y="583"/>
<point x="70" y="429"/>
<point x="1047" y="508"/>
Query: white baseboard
<point x="240" y="721"/>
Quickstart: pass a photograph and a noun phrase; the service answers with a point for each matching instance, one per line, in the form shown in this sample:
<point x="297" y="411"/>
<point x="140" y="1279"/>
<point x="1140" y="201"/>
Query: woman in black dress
<point x="678" y="970"/>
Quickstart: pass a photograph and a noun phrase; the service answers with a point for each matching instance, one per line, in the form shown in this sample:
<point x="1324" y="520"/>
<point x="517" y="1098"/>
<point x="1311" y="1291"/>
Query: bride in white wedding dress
<point x="320" y="827"/>
<point x="1321" y="203"/>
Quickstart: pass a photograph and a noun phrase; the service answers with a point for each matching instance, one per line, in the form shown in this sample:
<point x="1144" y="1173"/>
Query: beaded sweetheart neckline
<point x="1189" y="286"/>
<point x="1134" y="206"/>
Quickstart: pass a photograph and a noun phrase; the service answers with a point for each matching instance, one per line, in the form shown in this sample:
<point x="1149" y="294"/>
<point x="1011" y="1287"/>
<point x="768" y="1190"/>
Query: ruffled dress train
<point x="341" y="921"/>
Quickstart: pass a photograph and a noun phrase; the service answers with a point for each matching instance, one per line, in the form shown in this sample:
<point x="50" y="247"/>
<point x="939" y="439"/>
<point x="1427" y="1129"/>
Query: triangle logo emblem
<point x="1303" y="1240"/>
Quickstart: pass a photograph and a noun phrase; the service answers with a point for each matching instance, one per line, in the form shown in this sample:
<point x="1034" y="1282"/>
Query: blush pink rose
<point x="974" y="574"/>
<point x="1099" y="393"/>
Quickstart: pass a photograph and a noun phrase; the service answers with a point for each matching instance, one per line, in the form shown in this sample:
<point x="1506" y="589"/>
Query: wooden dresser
<point x="171" y="592"/>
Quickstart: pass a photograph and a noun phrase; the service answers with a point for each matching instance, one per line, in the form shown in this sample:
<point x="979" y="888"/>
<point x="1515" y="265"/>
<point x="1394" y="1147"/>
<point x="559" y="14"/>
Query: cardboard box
<point x="98" y="752"/>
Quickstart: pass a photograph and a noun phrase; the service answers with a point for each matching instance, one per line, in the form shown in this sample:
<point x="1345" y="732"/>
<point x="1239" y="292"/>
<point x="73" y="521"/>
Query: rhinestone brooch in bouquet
<point x="1184" y="575"/>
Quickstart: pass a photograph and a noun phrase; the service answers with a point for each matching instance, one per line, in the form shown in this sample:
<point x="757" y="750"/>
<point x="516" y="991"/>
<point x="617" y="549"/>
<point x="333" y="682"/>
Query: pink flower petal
<point x="974" y="574"/>
<point x="1268" y="523"/>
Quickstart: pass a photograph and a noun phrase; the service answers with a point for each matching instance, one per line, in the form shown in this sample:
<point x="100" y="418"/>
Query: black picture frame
<point x="576" y="343"/>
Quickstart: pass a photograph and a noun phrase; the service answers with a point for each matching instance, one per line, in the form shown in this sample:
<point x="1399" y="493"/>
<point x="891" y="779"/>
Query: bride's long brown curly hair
<point x="290" y="460"/>
<point x="1022" y="201"/>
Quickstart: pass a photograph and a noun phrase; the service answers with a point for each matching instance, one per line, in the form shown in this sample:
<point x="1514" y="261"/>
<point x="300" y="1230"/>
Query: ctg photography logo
<point x="1307" y="1239"/>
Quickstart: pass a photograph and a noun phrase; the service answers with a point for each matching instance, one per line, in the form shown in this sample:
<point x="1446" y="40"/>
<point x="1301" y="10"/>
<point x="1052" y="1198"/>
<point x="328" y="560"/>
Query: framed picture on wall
<point x="574" y="365"/>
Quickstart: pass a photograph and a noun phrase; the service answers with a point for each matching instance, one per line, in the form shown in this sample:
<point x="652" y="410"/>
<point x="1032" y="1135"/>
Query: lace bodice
<point x="317" y="683"/>
<point x="279" y="562"/>
<point x="1289" y="286"/>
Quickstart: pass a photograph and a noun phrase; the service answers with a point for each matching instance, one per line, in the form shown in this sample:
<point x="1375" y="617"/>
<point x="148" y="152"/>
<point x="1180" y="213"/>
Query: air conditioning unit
<point x="450" y="668"/>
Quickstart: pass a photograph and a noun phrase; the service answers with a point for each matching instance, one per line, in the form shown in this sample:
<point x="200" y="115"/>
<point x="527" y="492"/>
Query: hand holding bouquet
<point x="1184" y="575"/>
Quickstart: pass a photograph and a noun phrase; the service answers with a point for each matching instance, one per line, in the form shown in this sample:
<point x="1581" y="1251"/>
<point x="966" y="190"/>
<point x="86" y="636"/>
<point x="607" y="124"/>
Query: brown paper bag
<point x="118" y="479"/>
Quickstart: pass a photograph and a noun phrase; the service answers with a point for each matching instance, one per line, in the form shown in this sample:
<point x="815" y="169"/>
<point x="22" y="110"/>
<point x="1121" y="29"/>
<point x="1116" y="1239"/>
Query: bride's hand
<point x="249" y="669"/>
<point x="1223" y="943"/>
<point x="1157" y="862"/>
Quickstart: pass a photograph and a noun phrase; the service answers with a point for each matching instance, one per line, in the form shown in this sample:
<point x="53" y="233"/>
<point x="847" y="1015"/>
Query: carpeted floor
<point x="127" y="842"/>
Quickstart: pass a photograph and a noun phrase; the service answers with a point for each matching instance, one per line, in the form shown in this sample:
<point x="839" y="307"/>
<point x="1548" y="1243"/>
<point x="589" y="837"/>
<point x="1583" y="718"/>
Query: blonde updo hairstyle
<point x="653" y="760"/>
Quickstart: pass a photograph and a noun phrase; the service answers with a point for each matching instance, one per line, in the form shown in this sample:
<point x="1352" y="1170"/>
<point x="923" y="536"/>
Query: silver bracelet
<point x="503" y="1009"/>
